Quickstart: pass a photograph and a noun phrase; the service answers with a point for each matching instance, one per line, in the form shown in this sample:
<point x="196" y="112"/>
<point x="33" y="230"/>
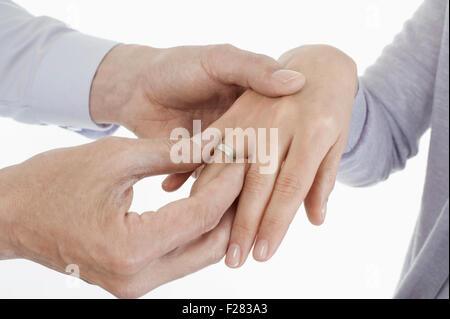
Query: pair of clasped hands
<point x="71" y="206"/>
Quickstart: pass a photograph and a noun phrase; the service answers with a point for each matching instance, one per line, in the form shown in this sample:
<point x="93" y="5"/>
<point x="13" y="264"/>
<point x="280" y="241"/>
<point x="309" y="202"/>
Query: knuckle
<point x="218" y="252"/>
<point x="275" y="222"/>
<point x="327" y="122"/>
<point x="125" y="266"/>
<point x="225" y="47"/>
<point x="281" y="112"/>
<point x="208" y="220"/>
<point x="214" y="56"/>
<point x="125" y="289"/>
<point x="265" y="63"/>
<point x="244" y="230"/>
<point x="321" y="126"/>
<point x="123" y="261"/>
<point x="217" y="57"/>
<point x="287" y="56"/>
<point x="254" y="182"/>
<point x="287" y="184"/>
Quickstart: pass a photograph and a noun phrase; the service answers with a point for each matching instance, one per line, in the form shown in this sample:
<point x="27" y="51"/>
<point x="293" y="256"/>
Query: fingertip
<point x="316" y="215"/>
<point x="167" y="186"/>
<point x="170" y="189"/>
<point x="261" y="250"/>
<point x="323" y="211"/>
<point x="233" y="257"/>
<point x="173" y="182"/>
<point x="236" y="172"/>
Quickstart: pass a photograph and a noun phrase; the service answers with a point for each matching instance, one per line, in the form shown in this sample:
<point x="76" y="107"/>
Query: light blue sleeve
<point x="46" y="71"/>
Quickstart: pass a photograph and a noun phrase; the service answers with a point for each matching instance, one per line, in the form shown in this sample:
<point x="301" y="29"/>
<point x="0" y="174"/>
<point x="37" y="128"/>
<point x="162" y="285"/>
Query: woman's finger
<point x="317" y="198"/>
<point x="292" y="185"/>
<point x="173" y="182"/>
<point x="253" y="201"/>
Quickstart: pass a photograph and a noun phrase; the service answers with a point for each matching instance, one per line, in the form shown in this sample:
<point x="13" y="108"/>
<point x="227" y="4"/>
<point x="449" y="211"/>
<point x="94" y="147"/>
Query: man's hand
<point x="70" y="206"/>
<point x="151" y="91"/>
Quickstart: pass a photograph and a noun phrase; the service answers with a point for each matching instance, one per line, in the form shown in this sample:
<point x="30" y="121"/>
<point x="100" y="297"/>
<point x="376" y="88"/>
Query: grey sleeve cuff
<point x="59" y="93"/>
<point x="358" y="120"/>
<point x="354" y="168"/>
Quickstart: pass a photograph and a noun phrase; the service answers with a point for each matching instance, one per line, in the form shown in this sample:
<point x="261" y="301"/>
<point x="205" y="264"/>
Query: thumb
<point x="230" y="65"/>
<point x="148" y="157"/>
<point x="181" y="221"/>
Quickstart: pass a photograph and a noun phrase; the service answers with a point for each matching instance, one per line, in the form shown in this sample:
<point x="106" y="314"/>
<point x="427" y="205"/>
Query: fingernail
<point x="285" y="76"/>
<point x="323" y="210"/>
<point x="261" y="249"/>
<point x="233" y="255"/>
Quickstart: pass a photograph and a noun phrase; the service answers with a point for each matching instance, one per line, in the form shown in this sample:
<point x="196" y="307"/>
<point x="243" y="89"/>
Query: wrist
<point x="324" y="66"/>
<point x="8" y="210"/>
<point x="118" y="80"/>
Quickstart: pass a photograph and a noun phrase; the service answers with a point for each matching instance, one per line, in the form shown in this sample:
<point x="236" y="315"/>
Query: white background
<point x="357" y="253"/>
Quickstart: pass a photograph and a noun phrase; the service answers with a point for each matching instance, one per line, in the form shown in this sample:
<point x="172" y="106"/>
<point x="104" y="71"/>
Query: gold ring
<point x="227" y="150"/>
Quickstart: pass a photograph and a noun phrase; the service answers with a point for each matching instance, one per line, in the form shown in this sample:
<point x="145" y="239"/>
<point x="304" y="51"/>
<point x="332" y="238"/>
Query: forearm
<point x="8" y="209"/>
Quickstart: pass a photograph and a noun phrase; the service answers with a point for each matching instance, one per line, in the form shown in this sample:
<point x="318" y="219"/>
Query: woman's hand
<point x="312" y="130"/>
<point x="152" y="91"/>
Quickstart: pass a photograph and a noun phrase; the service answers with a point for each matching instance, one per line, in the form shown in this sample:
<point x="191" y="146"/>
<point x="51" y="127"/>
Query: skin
<point x="70" y="206"/>
<point x="313" y="126"/>
<point x="152" y="91"/>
